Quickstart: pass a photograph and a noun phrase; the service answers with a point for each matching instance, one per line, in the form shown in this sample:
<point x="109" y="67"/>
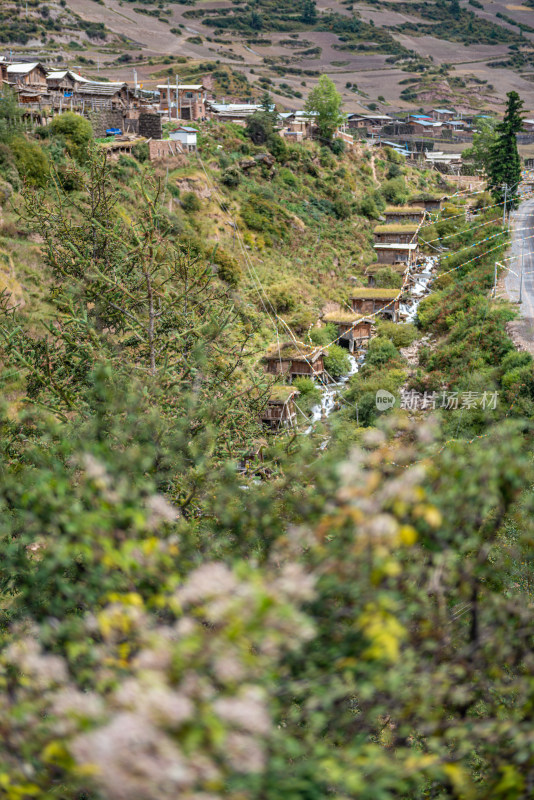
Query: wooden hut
<point x="396" y="233"/>
<point x="295" y="360"/>
<point x="388" y="254"/>
<point x="372" y="300"/>
<point x="404" y="214"/>
<point x="28" y="76"/>
<point x="96" y="94"/>
<point x="430" y="202"/>
<point x="64" y="83"/>
<point x="352" y="329"/>
<point x="280" y="410"/>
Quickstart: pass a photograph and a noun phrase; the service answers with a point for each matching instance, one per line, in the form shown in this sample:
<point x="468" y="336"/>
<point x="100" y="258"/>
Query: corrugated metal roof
<point x="106" y="89"/>
<point x="22" y="69"/>
<point x="58" y="76"/>
<point x="396" y="246"/>
<point x="195" y="87"/>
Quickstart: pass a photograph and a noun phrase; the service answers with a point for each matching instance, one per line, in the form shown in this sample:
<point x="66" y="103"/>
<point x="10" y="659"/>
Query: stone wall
<point x="150" y="126"/>
<point x="163" y="149"/>
<point x="105" y="119"/>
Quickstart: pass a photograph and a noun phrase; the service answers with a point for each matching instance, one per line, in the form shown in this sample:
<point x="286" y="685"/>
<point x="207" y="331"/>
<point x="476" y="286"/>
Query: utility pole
<point x="521" y="278"/>
<point x="169" y="96"/>
<point x="176" y="80"/>
<point x="505" y="187"/>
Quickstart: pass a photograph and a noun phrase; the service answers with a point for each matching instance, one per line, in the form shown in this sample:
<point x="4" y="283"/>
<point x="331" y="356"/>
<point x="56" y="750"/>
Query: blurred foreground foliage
<point x="340" y="622"/>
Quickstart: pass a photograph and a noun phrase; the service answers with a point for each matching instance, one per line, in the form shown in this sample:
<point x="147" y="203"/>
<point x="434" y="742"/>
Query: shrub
<point x="302" y="320"/>
<point x="261" y="214"/>
<point x="277" y="147"/>
<point x="428" y="310"/>
<point x="282" y="298"/>
<point x="310" y="394"/>
<point x="387" y="278"/>
<point x="140" y="152"/>
<point x="368" y="208"/>
<point x="288" y="177"/>
<point x="324" y="335"/>
<point x="31" y="161"/>
<point x="515" y="359"/>
<point x="228" y="268"/>
<point x="8" y="166"/>
<point x="363" y="388"/>
<point x="394" y="191"/>
<point x="381" y="351"/>
<point x="76" y="132"/>
<point x="337" y="361"/>
<point x="394" y="171"/>
<point x="401" y="335"/>
<point x="231" y="177"/>
<point x="190" y="203"/>
<point x="338" y="147"/>
<point x="342" y="208"/>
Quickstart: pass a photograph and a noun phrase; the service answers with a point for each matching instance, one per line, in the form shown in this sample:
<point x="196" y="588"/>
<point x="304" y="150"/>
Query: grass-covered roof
<point x="281" y="393"/>
<point x="401" y="227"/>
<point x="404" y="209"/>
<point x="343" y="317"/>
<point x="295" y="352"/>
<point x="374" y="293"/>
<point x="399" y="267"/>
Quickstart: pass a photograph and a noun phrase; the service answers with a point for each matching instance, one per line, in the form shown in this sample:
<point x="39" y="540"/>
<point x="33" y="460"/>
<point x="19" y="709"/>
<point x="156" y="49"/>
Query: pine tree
<point x="309" y="12"/>
<point x="505" y="162"/>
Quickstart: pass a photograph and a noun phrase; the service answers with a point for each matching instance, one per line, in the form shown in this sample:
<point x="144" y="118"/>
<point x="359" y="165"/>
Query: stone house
<point x="443" y="114"/>
<point x="162" y="149"/>
<point x="116" y="95"/>
<point x="187" y="101"/>
<point x="64" y="82"/>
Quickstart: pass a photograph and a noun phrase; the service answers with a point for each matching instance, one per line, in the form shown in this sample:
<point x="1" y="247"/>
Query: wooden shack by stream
<point x="404" y="214"/>
<point x="280" y="410"/>
<point x="396" y="233"/>
<point x="295" y="360"/>
<point x="353" y="329"/>
<point x="372" y="300"/>
<point x="395" y="253"/>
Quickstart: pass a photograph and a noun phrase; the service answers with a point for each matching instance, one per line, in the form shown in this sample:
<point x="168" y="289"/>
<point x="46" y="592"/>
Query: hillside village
<point x="173" y="124"/>
<point x="417" y="135"/>
<point x="267" y="400"/>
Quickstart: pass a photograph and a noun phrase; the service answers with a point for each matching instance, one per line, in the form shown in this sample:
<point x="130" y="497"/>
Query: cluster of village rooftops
<point x="415" y="135"/>
<point x="396" y="246"/>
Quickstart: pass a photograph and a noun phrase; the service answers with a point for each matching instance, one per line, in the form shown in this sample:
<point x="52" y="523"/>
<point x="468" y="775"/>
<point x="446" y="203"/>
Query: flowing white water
<point x="421" y="279"/>
<point x="329" y="393"/>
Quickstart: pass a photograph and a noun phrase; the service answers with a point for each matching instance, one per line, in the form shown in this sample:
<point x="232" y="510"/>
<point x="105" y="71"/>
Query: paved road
<point x="523" y="241"/>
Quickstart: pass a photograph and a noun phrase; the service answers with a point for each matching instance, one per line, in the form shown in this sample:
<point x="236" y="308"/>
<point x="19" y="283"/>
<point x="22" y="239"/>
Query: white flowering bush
<point x="174" y="709"/>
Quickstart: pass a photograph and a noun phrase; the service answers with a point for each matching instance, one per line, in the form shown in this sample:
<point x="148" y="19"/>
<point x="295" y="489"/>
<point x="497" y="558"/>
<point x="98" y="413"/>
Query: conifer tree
<point x="309" y="12"/>
<point x="505" y="162"/>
